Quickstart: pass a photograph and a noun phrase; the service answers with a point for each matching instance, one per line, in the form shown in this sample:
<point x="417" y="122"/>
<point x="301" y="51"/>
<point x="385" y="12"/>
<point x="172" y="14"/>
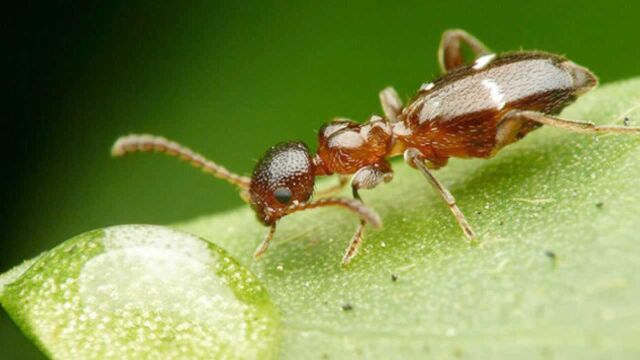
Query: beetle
<point x="473" y="110"/>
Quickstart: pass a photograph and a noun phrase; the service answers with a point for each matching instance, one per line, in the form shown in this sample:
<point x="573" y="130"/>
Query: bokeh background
<point x="229" y="79"/>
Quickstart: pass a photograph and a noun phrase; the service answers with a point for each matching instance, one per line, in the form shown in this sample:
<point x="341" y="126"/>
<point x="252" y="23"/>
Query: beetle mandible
<point x="472" y="111"/>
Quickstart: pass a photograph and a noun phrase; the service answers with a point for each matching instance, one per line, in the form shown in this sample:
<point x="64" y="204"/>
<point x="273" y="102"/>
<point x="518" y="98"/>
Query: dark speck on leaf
<point x="394" y="277"/>
<point x="626" y="121"/>
<point x="550" y="254"/>
<point x="347" y="307"/>
<point x="599" y="205"/>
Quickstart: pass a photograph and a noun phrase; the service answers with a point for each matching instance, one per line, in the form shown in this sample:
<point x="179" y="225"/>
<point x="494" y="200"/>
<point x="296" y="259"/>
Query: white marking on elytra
<point x="483" y="61"/>
<point x="426" y="86"/>
<point x="430" y="110"/>
<point x="496" y="93"/>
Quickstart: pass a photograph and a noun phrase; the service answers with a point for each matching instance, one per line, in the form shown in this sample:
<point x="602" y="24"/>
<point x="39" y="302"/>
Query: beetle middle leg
<point x="367" y="177"/>
<point x="450" y="53"/>
<point x="415" y="159"/>
<point x="391" y="103"/>
<point x="571" y="125"/>
<point x="507" y="132"/>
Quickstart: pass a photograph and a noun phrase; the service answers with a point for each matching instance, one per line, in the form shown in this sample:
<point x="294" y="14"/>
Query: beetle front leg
<point x="264" y="245"/>
<point x="415" y="158"/>
<point x="449" y="52"/>
<point x="366" y="178"/>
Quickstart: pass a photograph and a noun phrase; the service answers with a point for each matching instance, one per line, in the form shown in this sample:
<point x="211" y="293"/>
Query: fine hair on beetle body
<point x="473" y="110"/>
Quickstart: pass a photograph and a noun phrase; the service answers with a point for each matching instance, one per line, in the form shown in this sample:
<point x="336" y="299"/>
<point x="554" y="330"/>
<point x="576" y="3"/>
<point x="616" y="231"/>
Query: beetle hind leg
<point x="572" y="125"/>
<point x="450" y="53"/>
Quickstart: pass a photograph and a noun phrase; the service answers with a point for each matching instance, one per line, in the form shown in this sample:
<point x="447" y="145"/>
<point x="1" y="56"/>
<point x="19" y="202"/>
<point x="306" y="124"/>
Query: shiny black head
<point x="283" y="177"/>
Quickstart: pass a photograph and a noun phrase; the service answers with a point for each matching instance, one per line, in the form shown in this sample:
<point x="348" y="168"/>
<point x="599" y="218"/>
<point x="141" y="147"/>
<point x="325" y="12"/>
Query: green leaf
<point x="140" y="292"/>
<point x="556" y="272"/>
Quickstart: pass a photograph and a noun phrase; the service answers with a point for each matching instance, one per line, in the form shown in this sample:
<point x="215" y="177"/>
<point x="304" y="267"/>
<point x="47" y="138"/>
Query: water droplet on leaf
<point x="142" y="291"/>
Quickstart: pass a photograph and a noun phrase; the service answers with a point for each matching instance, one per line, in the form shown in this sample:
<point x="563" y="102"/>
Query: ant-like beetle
<point x="471" y="111"/>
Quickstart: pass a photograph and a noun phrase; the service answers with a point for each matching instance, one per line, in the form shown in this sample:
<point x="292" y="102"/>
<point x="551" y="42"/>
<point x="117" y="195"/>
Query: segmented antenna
<point x="151" y="143"/>
<point x="364" y="212"/>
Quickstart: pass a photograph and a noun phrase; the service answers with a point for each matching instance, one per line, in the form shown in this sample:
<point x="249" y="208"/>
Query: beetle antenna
<point x="364" y="212"/>
<point x="150" y="143"/>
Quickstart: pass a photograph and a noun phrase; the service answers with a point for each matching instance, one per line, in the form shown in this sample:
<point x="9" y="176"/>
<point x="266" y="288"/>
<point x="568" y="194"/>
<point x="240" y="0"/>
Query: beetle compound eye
<point x="283" y="195"/>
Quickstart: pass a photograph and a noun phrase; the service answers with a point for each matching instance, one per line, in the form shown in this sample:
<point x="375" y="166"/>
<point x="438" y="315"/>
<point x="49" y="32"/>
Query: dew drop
<point x="143" y="291"/>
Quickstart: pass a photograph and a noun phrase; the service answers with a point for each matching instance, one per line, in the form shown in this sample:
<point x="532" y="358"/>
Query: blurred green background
<point x="228" y="79"/>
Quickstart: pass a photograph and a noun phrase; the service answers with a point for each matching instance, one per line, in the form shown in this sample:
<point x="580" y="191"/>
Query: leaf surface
<point x="556" y="272"/>
<point x="141" y="292"/>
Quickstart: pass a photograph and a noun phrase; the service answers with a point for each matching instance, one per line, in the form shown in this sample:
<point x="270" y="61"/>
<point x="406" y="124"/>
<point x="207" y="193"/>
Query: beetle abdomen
<point x="535" y="80"/>
<point x="457" y="114"/>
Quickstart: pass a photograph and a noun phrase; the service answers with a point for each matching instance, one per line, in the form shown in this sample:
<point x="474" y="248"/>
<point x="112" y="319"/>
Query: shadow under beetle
<point x="472" y="111"/>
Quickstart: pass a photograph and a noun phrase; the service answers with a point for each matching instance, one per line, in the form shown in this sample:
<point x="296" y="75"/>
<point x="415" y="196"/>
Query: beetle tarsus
<point x="264" y="245"/>
<point x="354" y="244"/>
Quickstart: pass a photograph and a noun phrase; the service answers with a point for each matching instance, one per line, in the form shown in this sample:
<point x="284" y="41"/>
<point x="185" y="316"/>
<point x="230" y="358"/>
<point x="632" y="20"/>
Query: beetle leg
<point x="449" y="52"/>
<point x="264" y="245"/>
<point x="343" y="180"/>
<point x="354" y="244"/>
<point x="572" y="125"/>
<point x="435" y="164"/>
<point x="371" y="176"/>
<point x="507" y="132"/>
<point x="415" y="158"/>
<point x="391" y="103"/>
<point x="367" y="177"/>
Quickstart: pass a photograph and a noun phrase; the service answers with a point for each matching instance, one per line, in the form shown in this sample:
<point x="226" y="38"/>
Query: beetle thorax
<point x="345" y="146"/>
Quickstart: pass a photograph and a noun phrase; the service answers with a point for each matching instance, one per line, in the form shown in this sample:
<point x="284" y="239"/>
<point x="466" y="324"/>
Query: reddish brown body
<point x="344" y="146"/>
<point x="458" y="114"/>
<point x="473" y="110"/>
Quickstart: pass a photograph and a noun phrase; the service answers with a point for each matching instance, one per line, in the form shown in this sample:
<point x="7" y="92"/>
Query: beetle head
<point x="284" y="177"/>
